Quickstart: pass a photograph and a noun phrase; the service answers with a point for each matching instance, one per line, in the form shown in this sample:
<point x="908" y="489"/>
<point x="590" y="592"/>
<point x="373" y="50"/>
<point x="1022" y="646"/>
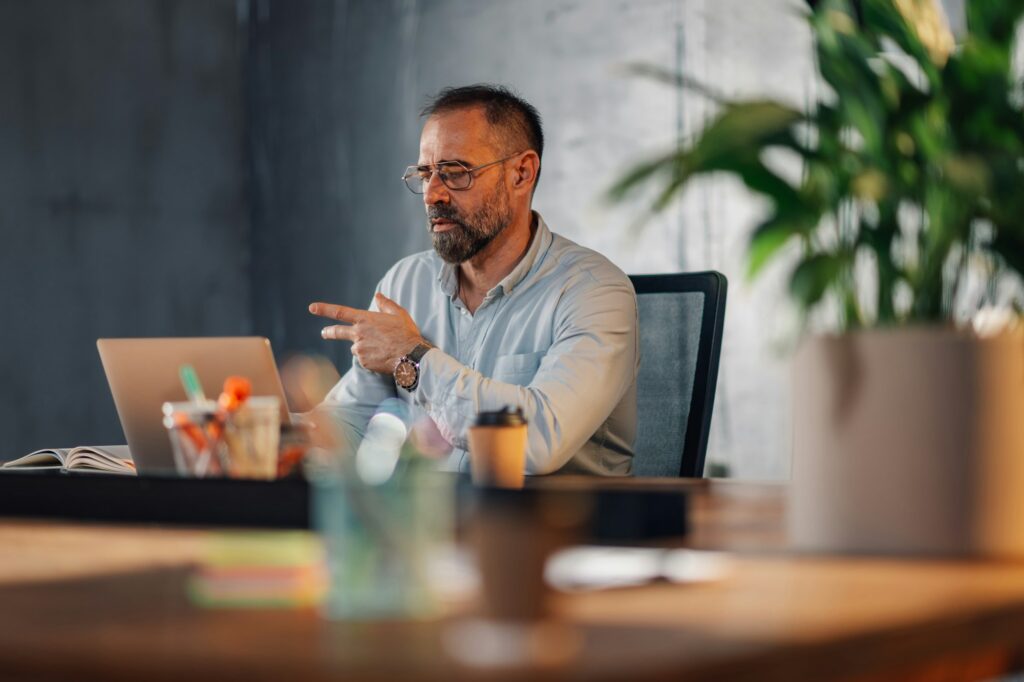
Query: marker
<point x="189" y="379"/>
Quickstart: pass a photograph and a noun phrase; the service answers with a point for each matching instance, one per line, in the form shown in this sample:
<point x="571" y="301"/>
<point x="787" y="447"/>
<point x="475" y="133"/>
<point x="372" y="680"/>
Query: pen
<point x="189" y="379"/>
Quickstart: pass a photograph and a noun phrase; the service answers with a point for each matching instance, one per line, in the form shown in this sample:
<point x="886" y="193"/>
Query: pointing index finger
<point x="342" y="313"/>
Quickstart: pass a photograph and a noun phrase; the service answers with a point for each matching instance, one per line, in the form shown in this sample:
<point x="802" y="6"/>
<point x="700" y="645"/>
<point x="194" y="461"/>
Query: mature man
<point x="502" y="311"/>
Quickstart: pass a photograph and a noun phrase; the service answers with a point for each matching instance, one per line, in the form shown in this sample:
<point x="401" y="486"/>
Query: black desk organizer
<point x="616" y="515"/>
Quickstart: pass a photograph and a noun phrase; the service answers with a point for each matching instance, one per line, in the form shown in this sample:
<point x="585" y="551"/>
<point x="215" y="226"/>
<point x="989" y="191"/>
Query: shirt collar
<point x="539" y="243"/>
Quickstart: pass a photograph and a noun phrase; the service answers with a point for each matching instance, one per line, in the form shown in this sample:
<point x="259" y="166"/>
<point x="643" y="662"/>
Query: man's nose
<point x="435" y="192"/>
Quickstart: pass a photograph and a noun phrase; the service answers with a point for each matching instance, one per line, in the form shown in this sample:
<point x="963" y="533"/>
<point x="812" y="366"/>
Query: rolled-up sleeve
<point x="589" y="366"/>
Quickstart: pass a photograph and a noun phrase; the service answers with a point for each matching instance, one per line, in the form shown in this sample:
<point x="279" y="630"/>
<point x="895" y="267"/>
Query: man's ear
<point x="526" y="170"/>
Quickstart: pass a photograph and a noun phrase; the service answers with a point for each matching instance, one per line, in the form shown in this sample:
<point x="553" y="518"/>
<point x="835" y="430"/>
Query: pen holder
<point x="208" y="441"/>
<point x="197" y="438"/>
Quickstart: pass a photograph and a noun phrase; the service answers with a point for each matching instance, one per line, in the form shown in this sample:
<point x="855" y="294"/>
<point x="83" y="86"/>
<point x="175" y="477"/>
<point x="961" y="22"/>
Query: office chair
<point x="681" y="320"/>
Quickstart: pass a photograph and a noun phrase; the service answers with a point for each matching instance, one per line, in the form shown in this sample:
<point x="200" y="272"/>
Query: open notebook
<point x="110" y="459"/>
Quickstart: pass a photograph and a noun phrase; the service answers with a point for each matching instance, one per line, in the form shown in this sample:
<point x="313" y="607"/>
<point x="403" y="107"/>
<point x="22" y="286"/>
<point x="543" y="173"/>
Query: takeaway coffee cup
<point x="497" y="448"/>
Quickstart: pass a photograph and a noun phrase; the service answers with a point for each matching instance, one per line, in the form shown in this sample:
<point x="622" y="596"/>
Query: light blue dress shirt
<point x="557" y="337"/>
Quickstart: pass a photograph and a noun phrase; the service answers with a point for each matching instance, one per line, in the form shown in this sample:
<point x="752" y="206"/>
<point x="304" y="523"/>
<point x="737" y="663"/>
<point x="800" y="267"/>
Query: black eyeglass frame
<point x="412" y="171"/>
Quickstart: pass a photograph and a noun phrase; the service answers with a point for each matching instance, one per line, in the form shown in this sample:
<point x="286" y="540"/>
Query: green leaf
<point x="680" y="80"/>
<point x="994" y="19"/>
<point x="769" y="237"/>
<point x="731" y="142"/>
<point x="641" y="174"/>
<point x="814" y="275"/>
<point x="741" y="126"/>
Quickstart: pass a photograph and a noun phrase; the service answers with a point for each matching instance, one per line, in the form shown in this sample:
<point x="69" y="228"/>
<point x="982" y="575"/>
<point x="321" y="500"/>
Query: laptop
<point x="143" y="375"/>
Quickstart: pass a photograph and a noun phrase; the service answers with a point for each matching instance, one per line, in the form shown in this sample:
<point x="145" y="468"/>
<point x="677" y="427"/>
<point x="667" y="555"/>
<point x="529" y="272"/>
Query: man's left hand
<point x="379" y="340"/>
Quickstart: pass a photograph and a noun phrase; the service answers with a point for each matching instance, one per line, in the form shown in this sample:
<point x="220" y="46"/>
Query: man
<point x="502" y="311"/>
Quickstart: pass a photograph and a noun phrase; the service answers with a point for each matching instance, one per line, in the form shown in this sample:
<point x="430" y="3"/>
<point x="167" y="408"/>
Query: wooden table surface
<point x="106" y="603"/>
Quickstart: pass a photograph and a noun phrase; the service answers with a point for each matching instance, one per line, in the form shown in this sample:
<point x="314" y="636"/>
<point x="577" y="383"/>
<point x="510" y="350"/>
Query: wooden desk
<point x="107" y="603"/>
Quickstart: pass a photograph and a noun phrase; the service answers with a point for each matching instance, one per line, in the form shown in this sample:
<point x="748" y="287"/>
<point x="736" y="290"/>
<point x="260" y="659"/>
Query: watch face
<point x="405" y="374"/>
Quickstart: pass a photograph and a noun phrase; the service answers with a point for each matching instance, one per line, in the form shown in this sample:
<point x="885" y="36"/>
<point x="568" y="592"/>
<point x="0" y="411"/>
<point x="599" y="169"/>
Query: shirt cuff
<point x="438" y="372"/>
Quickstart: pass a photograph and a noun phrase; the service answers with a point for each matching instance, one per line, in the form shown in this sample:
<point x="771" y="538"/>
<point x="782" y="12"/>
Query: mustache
<point x="441" y="212"/>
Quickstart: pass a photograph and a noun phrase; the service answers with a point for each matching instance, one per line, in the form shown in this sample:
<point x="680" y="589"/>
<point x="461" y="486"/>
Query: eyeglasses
<point x="453" y="174"/>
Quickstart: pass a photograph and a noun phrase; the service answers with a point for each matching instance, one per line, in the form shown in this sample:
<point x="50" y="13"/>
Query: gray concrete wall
<point x="122" y="207"/>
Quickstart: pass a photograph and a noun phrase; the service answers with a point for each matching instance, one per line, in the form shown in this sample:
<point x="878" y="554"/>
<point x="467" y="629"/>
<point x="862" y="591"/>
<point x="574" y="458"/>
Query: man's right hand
<point x="379" y="340"/>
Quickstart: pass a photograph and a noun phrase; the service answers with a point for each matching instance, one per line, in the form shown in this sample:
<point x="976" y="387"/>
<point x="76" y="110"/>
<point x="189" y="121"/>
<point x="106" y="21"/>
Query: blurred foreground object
<point x="385" y="517"/>
<point x="260" y="570"/>
<point x="513" y="533"/>
<point x="583" y="568"/>
<point x="307" y="379"/>
<point x="897" y="194"/>
<point x="909" y="441"/>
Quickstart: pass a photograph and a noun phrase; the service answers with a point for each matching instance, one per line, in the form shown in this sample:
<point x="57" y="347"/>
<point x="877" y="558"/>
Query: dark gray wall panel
<point x="333" y="123"/>
<point x="122" y="207"/>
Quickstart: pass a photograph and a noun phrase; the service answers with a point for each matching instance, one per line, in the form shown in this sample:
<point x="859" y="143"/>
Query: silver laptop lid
<point x="143" y="375"/>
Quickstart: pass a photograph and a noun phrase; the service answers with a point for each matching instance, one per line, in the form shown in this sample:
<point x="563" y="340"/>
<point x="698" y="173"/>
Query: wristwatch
<point x="407" y="371"/>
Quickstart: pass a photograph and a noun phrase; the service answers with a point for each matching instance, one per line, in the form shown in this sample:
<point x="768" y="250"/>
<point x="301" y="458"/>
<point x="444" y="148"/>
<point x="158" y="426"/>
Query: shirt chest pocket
<point x="517" y="369"/>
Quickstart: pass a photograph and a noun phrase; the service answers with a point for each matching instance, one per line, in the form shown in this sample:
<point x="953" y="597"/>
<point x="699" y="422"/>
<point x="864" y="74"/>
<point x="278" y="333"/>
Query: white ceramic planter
<point x="909" y="441"/>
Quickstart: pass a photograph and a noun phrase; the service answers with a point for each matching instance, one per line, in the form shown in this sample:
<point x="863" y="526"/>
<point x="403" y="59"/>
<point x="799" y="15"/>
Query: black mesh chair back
<point x="681" y="321"/>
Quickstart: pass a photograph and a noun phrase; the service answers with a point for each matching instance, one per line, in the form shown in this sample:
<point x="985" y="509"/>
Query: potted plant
<point x="905" y="221"/>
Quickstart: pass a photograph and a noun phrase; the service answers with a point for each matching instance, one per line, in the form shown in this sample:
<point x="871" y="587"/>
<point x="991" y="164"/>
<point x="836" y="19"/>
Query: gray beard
<point x="469" y="236"/>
